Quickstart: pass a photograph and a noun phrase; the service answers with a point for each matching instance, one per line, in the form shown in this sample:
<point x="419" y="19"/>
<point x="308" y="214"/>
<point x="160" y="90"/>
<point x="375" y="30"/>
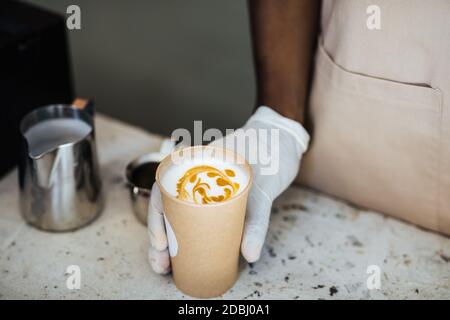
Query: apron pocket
<point x="375" y="142"/>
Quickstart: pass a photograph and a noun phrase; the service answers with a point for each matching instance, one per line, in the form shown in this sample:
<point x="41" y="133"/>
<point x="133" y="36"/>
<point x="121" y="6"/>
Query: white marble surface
<point x="317" y="247"/>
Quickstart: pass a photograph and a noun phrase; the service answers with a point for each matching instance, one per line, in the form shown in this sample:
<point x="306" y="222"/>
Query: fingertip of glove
<point x="159" y="261"/>
<point x="251" y="251"/>
<point x="158" y="242"/>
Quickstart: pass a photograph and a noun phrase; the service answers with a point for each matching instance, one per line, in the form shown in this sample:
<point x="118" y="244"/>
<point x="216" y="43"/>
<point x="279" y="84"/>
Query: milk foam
<point x="173" y="173"/>
<point x="49" y="134"/>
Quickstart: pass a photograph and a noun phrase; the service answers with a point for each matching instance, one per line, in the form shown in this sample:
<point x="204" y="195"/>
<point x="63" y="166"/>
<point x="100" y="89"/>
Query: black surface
<point x="35" y="69"/>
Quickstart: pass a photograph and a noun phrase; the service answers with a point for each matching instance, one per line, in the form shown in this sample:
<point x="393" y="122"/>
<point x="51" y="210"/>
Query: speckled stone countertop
<point x="317" y="247"/>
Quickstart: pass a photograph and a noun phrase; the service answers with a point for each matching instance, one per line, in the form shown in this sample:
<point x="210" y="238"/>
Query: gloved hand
<point x="267" y="184"/>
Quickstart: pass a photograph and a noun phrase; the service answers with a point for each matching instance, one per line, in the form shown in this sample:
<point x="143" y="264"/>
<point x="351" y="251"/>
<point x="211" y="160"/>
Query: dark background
<point x="160" y="64"/>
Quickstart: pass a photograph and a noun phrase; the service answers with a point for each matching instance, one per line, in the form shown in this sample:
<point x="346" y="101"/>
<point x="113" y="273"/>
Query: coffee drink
<point x="204" y="193"/>
<point x="204" y="181"/>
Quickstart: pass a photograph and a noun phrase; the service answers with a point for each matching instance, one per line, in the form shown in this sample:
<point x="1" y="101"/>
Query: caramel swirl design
<point x="199" y="193"/>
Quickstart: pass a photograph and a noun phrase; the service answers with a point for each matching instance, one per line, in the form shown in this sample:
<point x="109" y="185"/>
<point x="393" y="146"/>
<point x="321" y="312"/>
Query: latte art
<point x="204" y="180"/>
<point x="199" y="179"/>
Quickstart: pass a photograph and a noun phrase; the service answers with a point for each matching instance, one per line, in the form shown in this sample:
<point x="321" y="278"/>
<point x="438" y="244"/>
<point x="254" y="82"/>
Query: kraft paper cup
<point x="204" y="240"/>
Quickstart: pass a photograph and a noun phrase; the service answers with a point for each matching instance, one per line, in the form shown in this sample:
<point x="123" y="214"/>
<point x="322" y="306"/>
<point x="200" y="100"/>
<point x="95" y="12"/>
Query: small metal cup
<point x="140" y="175"/>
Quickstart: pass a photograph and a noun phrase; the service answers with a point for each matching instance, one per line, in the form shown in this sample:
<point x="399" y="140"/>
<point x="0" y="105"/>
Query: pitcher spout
<point x="45" y="167"/>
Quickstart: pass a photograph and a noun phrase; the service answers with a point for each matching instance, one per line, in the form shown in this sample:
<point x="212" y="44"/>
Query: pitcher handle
<point x="84" y="104"/>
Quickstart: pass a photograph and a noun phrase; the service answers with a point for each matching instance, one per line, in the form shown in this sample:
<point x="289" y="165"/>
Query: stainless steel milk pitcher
<point x="60" y="187"/>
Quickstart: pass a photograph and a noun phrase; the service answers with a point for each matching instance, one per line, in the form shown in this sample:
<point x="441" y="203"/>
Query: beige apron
<point x="380" y="109"/>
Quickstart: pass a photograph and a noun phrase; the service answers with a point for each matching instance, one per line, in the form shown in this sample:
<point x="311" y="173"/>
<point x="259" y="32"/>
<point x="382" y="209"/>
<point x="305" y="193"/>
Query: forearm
<point x="284" y="35"/>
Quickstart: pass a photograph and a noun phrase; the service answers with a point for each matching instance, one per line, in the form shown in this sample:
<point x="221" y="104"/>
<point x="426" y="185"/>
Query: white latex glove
<point x="292" y="143"/>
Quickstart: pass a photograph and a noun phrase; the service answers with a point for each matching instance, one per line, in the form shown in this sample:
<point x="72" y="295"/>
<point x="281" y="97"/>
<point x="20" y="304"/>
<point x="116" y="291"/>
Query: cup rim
<point x="191" y="204"/>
